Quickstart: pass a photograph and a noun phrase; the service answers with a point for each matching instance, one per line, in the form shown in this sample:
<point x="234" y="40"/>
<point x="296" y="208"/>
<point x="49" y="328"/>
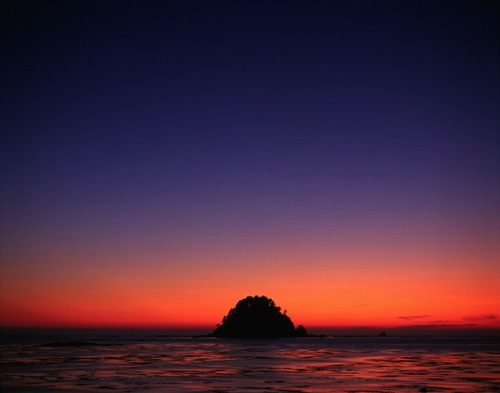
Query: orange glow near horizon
<point x="357" y="294"/>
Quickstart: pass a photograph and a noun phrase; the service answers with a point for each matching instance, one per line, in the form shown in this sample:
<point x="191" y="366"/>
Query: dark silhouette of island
<point x="257" y="317"/>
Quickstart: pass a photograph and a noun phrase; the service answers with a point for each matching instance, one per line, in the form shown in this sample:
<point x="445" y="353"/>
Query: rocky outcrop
<point x="257" y="317"/>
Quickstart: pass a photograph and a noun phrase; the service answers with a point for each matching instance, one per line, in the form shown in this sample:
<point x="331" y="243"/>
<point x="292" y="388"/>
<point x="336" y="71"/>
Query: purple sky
<point x="179" y="128"/>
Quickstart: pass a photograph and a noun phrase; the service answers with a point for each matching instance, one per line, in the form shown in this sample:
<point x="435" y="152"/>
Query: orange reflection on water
<point x="300" y="365"/>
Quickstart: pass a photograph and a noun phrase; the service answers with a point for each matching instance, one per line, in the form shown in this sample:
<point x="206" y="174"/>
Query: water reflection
<point x="291" y="365"/>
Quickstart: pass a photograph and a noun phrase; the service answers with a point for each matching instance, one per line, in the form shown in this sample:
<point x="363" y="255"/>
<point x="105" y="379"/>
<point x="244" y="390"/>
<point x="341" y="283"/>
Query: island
<point x="257" y="317"/>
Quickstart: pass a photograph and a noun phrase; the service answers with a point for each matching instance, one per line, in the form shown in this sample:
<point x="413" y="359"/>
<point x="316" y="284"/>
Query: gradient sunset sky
<point x="163" y="159"/>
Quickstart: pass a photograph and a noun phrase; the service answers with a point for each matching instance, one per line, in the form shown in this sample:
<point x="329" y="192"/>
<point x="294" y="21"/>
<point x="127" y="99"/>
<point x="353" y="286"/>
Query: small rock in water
<point x="423" y="390"/>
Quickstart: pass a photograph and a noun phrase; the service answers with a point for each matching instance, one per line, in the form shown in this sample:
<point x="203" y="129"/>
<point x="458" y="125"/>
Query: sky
<point x="161" y="160"/>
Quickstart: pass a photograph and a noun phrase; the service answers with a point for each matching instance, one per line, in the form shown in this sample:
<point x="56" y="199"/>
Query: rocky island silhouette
<point x="257" y="317"/>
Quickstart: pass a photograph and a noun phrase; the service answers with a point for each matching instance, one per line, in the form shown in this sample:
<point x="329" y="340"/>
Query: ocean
<point x="313" y="364"/>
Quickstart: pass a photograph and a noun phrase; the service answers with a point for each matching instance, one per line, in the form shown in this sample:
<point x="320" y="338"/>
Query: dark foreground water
<point x="161" y="364"/>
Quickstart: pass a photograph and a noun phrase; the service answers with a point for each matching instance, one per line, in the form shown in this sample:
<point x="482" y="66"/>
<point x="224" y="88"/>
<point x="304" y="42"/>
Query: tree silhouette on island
<point x="257" y="317"/>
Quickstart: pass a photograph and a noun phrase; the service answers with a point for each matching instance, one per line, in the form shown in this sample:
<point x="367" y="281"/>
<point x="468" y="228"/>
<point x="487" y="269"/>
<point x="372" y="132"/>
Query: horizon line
<point x="403" y="330"/>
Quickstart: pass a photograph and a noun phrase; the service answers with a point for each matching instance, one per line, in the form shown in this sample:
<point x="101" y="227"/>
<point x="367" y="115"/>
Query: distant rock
<point x="382" y="334"/>
<point x="301" y="331"/>
<point x="257" y="317"/>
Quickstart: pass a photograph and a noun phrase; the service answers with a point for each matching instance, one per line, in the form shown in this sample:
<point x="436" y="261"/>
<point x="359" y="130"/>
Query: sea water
<point x="313" y="364"/>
